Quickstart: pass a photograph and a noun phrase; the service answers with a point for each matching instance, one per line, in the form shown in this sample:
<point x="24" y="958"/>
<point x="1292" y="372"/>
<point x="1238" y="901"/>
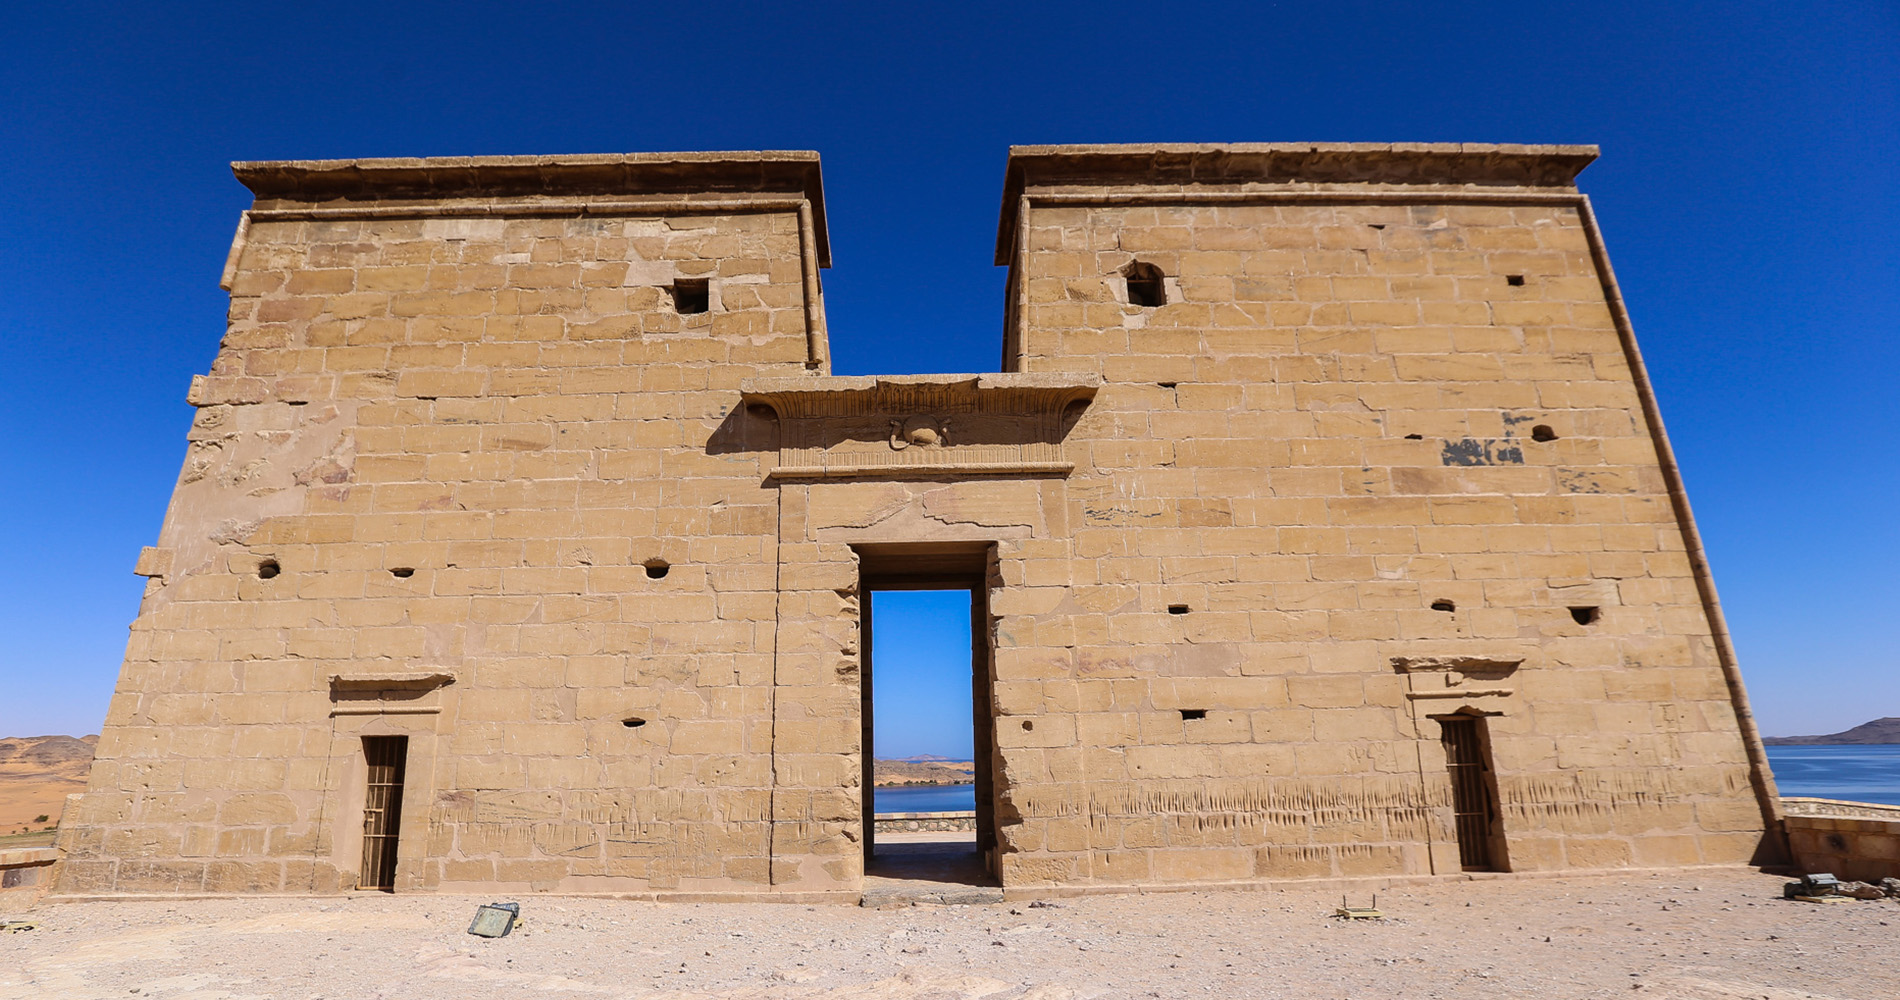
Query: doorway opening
<point x="927" y="713"/>
<point x="1474" y="793"/>
<point x="382" y="810"/>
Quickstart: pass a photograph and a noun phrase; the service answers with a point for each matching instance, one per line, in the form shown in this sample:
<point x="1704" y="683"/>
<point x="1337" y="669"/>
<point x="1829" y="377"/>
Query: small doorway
<point x="1474" y="793"/>
<point x="927" y="714"/>
<point x="382" y="810"/>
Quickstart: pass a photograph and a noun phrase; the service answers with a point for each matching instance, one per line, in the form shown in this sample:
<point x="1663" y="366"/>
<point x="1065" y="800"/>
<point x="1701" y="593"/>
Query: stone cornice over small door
<point x="1442" y="685"/>
<point x="913" y="426"/>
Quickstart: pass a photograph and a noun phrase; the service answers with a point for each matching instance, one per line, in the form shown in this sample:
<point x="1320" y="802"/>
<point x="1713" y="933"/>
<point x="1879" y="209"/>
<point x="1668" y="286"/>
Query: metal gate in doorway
<point x="1473" y="799"/>
<point x="382" y="810"/>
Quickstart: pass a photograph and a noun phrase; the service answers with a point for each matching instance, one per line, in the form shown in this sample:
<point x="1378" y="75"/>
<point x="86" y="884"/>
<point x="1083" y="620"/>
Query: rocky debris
<point x="1860" y="890"/>
<point x="1819" y="887"/>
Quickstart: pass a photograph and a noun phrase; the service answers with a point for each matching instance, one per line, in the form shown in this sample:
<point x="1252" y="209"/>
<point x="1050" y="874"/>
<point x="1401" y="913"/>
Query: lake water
<point x="1857" y="773"/>
<point x="924" y="799"/>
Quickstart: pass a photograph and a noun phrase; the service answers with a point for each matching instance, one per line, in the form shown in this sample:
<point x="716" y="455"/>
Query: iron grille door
<point x="1470" y="792"/>
<point x="382" y="810"/>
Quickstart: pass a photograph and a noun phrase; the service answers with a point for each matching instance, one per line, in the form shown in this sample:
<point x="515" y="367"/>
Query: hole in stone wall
<point x="1167" y="385"/>
<point x="692" y="295"/>
<point x="1177" y="609"/>
<point x="268" y="569"/>
<point x="1542" y="432"/>
<point x="634" y="722"/>
<point x="1028" y="725"/>
<point x="1586" y="616"/>
<point x="1193" y="713"/>
<point x="1837" y="843"/>
<point x="1444" y="606"/>
<point x="656" y="569"/>
<point x="1145" y="285"/>
<point x="403" y="572"/>
<point x="1414" y="437"/>
<point x="1515" y="279"/>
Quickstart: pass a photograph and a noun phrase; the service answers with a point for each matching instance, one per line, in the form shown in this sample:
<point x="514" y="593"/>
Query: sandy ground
<point x="36" y="775"/>
<point x="25" y="799"/>
<point x="1702" y="934"/>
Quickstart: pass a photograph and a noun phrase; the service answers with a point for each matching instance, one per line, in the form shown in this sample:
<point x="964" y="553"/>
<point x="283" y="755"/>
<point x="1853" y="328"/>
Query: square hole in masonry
<point x="692" y="295"/>
<point x="1146" y="285"/>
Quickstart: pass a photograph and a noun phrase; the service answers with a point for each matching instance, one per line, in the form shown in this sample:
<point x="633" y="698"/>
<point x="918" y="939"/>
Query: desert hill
<point x="925" y="769"/>
<point x="36" y="775"/>
<point x="1878" y="731"/>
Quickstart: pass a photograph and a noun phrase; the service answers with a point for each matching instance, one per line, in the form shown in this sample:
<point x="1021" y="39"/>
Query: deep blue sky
<point x="1747" y="192"/>
<point x="920" y="673"/>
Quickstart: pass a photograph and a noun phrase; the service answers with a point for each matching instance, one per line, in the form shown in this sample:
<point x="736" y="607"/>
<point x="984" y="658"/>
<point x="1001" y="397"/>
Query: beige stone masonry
<point x="1305" y="459"/>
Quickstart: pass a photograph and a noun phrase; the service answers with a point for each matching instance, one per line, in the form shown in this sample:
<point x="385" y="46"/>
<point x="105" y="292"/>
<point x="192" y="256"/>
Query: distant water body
<point x="1857" y="773"/>
<point x="924" y="799"/>
<point x="1868" y="773"/>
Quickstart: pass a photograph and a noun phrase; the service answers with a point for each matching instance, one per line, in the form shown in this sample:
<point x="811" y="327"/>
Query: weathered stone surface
<point x="1368" y="458"/>
<point x="1854" y="840"/>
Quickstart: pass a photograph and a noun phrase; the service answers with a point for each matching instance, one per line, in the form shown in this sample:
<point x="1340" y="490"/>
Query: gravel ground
<point x="1705" y="934"/>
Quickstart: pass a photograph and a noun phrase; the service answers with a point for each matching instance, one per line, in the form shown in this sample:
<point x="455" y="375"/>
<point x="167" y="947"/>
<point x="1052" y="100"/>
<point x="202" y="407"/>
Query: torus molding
<point x="899" y="426"/>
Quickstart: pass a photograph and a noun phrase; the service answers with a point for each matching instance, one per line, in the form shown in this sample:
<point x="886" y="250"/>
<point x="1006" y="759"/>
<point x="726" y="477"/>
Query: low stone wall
<point x="911" y="822"/>
<point x="1851" y="840"/>
<point x="26" y="871"/>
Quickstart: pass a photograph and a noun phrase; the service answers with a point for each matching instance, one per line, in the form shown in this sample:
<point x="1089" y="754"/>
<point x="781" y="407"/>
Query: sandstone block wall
<point x="1859" y="841"/>
<point x="1296" y="451"/>
<point x="466" y="435"/>
<point x="1329" y="449"/>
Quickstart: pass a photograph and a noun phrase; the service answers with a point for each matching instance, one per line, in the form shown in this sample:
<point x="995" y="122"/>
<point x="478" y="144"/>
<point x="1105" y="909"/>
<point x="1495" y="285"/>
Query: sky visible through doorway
<point x="920" y="685"/>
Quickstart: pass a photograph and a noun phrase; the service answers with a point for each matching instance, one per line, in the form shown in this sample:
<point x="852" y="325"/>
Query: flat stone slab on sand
<point x="1699" y="934"/>
<point x="928" y="867"/>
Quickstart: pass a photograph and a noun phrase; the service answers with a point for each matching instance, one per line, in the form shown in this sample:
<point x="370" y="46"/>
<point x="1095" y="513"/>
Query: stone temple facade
<point x="1318" y="523"/>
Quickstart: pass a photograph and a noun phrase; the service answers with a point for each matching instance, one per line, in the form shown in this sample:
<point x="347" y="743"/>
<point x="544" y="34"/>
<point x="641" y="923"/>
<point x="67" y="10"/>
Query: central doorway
<point x="937" y="703"/>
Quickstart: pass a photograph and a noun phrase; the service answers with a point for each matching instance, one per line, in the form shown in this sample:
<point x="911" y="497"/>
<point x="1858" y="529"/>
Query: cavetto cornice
<point x="839" y="395"/>
<point x="690" y="179"/>
<point x="906" y="426"/>
<point x="1181" y="170"/>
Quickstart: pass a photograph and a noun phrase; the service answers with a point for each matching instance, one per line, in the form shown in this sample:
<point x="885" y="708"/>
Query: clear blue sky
<point x="1747" y="191"/>
<point x="921" y="673"/>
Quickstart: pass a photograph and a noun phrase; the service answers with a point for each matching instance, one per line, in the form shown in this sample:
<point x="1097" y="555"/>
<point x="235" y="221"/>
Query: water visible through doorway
<point x="927" y="720"/>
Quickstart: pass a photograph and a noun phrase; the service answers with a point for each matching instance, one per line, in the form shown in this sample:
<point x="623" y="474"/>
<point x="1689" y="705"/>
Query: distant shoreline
<point x="922" y="772"/>
<point x="1880" y="732"/>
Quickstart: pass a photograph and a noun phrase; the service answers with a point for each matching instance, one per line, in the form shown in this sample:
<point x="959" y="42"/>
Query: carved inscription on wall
<point x="836" y="427"/>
